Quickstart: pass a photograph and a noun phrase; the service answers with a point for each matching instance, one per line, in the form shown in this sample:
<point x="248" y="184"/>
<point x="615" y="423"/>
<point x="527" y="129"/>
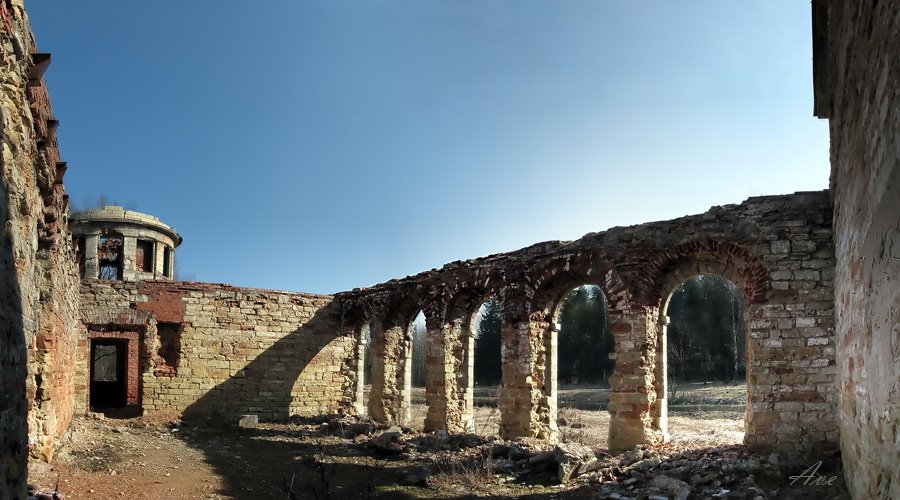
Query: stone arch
<point x="550" y="281"/>
<point x="356" y="317"/>
<point x="666" y="271"/>
<point x="391" y="397"/>
<point x="675" y="266"/>
<point x="453" y="353"/>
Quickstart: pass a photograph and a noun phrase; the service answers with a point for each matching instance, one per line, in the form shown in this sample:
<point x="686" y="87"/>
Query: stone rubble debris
<point x="35" y="494"/>
<point x="388" y="441"/>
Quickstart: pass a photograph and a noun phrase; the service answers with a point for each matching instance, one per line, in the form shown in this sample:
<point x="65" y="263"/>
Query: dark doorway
<point x="108" y="373"/>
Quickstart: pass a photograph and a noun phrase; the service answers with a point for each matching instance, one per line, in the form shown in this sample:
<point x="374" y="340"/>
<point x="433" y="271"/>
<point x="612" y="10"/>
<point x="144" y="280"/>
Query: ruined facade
<point x="823" y="353"/>
<point x="778" y="249"/>
<point x="200" y="349"/>
<point x="39" y="321"/>
<point x="114" y="243"/>
<point x="206" y="349"/>
<point x="857" y="84"/>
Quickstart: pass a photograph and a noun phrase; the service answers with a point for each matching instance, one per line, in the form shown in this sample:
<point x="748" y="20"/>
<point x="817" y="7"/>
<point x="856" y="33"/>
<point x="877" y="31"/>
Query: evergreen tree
<point x="706" y="330"/>
<point x="487" y="344"/>
<point x="584" y="338"/>
<point x="417" y="334"/>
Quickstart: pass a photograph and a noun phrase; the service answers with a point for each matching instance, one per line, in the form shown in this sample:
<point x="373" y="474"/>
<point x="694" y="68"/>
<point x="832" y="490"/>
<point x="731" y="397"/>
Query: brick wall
<point x="38" y="280"/>
<point x="857" y="66"/>
<point x="241" y="350"/>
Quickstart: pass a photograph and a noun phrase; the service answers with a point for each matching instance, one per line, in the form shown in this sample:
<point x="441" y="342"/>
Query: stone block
<point x="248" y="421"/>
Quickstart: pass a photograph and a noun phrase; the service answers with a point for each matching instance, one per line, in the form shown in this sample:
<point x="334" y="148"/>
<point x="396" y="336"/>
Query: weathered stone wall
<point x="778" y="249"/>
<point x="38" y="282"/>
<point x="241" y="350"/>
<point x="857" y="62"/>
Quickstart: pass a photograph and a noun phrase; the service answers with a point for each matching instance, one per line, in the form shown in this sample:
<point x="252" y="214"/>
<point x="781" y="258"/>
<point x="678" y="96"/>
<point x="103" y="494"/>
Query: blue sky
<point x="321" y="146"/>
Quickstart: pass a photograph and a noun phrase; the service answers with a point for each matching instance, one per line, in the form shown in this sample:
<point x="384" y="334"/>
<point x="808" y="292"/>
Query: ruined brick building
<point x="819" y="271"/>
<point x="113" y="243"/>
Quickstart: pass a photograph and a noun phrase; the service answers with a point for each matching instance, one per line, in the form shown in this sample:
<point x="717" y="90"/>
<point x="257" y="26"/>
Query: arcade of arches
<point x="777" y="249"/>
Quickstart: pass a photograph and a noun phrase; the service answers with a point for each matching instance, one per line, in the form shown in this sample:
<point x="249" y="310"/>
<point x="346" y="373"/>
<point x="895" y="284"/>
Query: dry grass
<point x="596" y="396"/>
<point x="582" y="417"/>
<point x="591" y="427"/>
<point x="470" y="474"/>
<point x="708" y="428"/>
<point x="588" y="427"/>
<point x="716" y="393"/>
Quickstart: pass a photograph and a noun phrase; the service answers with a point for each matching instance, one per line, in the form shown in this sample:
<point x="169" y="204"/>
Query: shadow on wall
<point x="13" y="406"/>
<point x="289" y="377"/>
<point x="298" y="374"/>
<point x="304" y="372"/>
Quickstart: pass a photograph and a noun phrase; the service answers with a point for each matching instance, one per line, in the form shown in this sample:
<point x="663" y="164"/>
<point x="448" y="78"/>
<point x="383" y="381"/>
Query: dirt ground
<point x="118" y="458"/>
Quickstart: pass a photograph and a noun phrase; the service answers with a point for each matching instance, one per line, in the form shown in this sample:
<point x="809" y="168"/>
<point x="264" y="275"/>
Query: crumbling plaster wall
<point x="857" y="76"/>
<point x="38" y="280"/>
<point x="242" y="350"/>
<point x="778" y="249"/>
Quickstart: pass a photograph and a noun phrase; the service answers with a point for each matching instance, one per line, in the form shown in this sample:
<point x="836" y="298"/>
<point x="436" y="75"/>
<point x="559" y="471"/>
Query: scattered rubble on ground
<point x="34" y="493"/>
<point x="357" y="457"/>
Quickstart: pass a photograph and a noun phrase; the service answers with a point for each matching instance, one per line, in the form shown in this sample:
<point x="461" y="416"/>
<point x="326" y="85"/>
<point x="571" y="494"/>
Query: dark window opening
<point x="167" y="261"/>
<point x="143" y="256"/>
<point x="109" y="255"/>
<point x="108" y="373"/>
<point x="169" y="349"/>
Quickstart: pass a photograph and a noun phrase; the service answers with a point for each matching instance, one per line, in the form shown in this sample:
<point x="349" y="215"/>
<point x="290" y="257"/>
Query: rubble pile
<point x="654" y="472"/>
<point x="721" y="472"/>
<point x="37" y="494"/>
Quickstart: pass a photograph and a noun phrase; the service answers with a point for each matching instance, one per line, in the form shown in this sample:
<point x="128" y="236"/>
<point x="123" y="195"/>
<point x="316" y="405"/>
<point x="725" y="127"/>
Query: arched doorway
<point x="705" y="361"/>
<point x="363" y="369"/>
<point x="416" y="334"/>
<point x="484" y="366"/>
<point x="584" y="343"/>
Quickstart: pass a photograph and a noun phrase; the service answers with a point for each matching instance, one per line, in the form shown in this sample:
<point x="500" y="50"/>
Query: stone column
<point x="526" y="408"/>
<point x="91" y="260"/>
<point x="359" y="392"/>
<point x="158" y="261"/>
<point x="438" y="371"/>
<point x="466" y="377"/>
<point x="389" y="401"/>
<point x="448" y="373"/>
<point x="403" y="399"/>
<point x="551" y="376"/>
<point x="633" y="386"/>
<point x="382" y="372"/>
<point x="129" y="248"/>
<point x="170" y="272"/>
<point x="660" y="410"/>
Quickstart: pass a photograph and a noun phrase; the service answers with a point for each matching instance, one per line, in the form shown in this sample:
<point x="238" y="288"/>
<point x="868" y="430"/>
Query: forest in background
<point x="705" y="340"/>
